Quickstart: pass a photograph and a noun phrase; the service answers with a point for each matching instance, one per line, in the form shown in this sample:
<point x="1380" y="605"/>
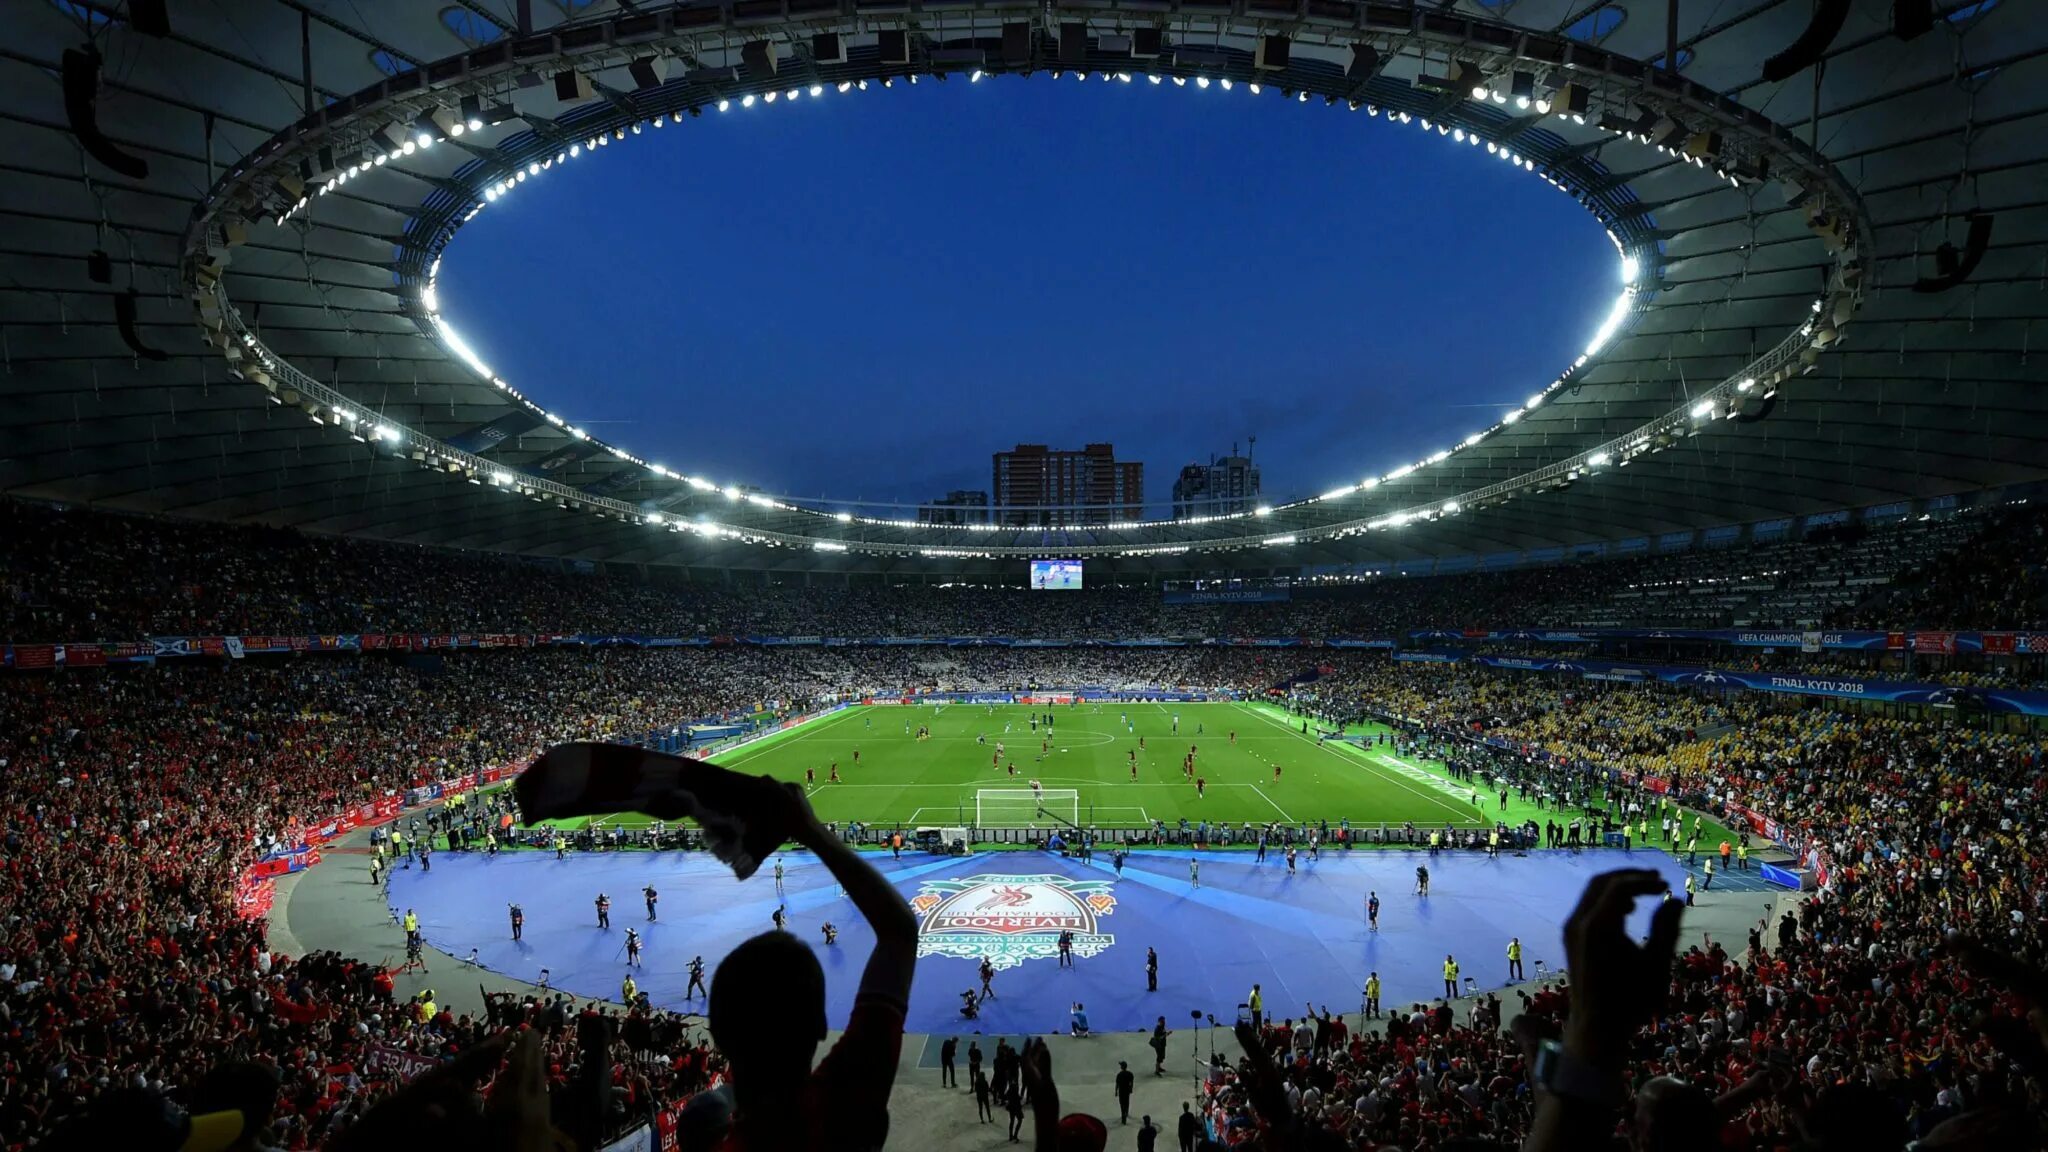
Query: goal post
<point x="1019" y="807"/>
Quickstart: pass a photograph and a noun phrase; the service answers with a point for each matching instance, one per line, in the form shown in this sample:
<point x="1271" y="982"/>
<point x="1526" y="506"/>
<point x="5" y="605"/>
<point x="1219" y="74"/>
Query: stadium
<point x="1633" y="734"/>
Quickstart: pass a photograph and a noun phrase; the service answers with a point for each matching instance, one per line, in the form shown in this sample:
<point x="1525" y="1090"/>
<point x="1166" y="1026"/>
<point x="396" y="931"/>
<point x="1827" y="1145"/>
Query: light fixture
<point x="1522" y="86"/>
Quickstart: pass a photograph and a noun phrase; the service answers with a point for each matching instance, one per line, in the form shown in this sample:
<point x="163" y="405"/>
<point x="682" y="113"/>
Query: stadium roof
<point x="1795" y="338"/>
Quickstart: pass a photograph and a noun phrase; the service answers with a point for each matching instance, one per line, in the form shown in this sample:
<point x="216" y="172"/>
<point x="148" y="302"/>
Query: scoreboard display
<point x="1059" y="575"/>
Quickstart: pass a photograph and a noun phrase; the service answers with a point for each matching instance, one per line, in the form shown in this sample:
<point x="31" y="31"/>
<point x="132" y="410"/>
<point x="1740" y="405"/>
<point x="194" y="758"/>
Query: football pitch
<point x="900" y="780"/>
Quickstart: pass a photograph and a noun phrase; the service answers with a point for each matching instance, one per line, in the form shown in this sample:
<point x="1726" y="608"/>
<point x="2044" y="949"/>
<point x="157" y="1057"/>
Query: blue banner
<point x="1227" y="596"/>
<point x="1835" y="687"/>
<point x="1815" y="640"/>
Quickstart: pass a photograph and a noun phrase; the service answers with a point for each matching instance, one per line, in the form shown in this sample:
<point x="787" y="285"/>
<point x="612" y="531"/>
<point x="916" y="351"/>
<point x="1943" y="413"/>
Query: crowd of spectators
<point x="1995" y="579"/>
<point x="1890" y="1008"/>
<point x="132" y="798"/>
<point x="68" y="575"/>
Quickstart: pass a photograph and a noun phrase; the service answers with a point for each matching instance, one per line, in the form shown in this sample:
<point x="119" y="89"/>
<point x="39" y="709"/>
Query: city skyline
<point x="1222" y="484"/>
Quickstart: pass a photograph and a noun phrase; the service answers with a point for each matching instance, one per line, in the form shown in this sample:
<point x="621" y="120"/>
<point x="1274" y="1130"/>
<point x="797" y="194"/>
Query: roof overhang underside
<point x="1923" y="395"/>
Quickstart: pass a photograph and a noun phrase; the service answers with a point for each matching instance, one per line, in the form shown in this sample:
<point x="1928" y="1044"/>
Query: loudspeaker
<point x="81" y="78"/>
<point x="572" y="85"/>
<point x="1272" y="53"/>
<point x="759" y="57"/>
<point x="1828" y="16"/>
<point x="1365" y="61"/>
<point x="828" y="48"/>
<point x="1954" y="267"/>
<point x="893" y="45"/>
<point x="648" y="71"/>
<point x="1911" y="18"/>
<point x="149" y="18"/>
<point x="124" y="320"/>
<point x="1016" y="43"/>
<point x="1074" y="42"/>
<point x="1147" y="43"/>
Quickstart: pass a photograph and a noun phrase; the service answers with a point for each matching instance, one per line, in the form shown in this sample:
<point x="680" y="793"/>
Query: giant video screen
<point x="1056" y="575"/>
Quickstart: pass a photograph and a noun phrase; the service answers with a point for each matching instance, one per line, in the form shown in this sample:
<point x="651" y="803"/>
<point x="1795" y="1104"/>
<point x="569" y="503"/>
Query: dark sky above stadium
<point x="865" y="295"/>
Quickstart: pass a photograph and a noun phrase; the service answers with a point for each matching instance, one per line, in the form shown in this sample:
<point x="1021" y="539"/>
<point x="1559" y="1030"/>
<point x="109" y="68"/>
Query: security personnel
<point x="629" y="991"/>
<point x="1742" y="857"/>
<point x="412" y="926"/>
<point x="1372" y="996"/>
<point x="1256" y="1004"/>
<point x="1450" y="977"/>
<point x="1493" y="844"/>
<point x="1515" y="958"/>
<point x="560" y="844"/>
<point x="1689" y="889"/>
<point x="518" y="920"/>
<point x="427" y="1010"/>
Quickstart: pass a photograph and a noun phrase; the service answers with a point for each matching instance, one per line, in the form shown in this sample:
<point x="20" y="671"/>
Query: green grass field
<point x="903" y="781"/>
<point x="911" y="782"/>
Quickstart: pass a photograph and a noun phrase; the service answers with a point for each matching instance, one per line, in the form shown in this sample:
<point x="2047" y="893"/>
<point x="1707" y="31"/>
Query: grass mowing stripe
<point x="804" y="731"/>
<point x="1464" y="813"/>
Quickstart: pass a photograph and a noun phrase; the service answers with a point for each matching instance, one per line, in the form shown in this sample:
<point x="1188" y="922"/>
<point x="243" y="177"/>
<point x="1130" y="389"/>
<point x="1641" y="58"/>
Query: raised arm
<point x="894" y="959"/>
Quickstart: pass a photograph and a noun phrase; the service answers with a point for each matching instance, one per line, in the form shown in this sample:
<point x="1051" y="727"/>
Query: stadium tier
<point x="70" y="576"/>
<point x="1610" y="710"/>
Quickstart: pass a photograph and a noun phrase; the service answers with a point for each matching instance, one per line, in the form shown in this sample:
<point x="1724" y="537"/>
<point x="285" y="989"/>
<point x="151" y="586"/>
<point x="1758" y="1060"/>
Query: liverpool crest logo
<point x="1011" y="919"/>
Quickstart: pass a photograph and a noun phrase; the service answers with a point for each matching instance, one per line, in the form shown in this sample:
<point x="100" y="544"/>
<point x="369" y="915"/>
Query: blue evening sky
<point x="866" y="295"/>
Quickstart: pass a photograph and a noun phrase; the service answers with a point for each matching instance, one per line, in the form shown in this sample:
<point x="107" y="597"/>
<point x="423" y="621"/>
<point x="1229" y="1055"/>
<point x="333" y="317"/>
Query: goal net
<point x="1018" y="807"/>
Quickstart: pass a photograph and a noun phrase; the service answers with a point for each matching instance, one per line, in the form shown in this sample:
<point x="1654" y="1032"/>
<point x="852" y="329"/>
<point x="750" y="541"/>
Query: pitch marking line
<point x="798" y="735"/>
<point x="1380" y="770"/>
<point x="1268" y="799"/>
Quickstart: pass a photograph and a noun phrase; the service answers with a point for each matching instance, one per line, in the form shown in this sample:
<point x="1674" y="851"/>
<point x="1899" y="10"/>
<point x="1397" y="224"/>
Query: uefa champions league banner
<point x="1836" y="687"/>
<point x="1901" y="640"/>
<point x="97" y="653"/>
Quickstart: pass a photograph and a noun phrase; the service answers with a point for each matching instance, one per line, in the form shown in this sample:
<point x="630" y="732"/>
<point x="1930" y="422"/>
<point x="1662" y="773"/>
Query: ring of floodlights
<point x="1478" y="82"/>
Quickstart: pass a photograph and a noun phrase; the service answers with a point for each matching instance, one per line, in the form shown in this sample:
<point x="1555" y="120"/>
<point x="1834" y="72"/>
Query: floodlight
<point x="1522" y="86"/>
